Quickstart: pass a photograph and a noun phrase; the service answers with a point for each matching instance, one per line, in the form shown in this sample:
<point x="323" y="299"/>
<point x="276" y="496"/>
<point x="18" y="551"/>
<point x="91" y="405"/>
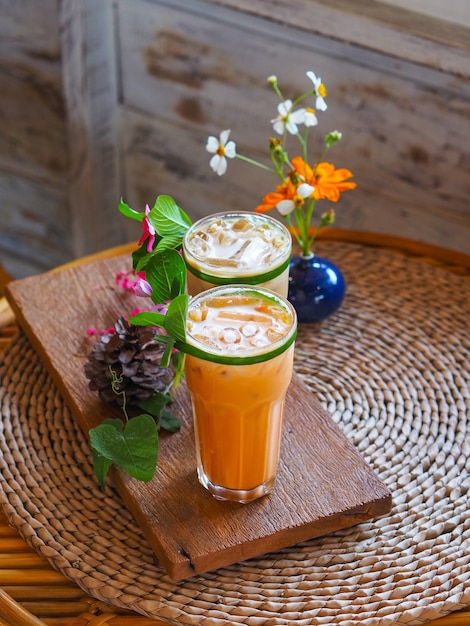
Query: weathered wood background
<point x="34" y="215"/>
<point x="116" y="98"/>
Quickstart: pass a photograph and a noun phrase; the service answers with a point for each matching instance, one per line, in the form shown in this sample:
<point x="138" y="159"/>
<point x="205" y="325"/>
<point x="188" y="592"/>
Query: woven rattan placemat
<point x="391" y="367"/>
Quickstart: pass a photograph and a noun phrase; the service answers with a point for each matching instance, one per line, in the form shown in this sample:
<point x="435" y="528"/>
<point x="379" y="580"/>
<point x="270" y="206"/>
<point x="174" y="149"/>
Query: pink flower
<point x="161" y="308"/>
<point x="148" y="231"/>
<point x="141" y="287"/>
<point x="124" y="280"/>
<point x="105" y="331"/>
<point x="135" y="282"/>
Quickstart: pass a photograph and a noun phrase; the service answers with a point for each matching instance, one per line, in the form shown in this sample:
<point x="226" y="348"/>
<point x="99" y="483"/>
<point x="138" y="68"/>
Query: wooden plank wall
<point x="34" y="220"/>
<point x="190" y="73"/>
<point x="457" y="11"/>
<point x="117" y="97"/>
<point x="91" y="75"/>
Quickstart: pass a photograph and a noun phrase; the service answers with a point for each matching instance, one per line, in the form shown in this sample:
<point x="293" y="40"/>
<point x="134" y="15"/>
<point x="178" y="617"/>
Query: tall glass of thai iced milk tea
<point x="240" y="348"/>
<point x="242" y="248"/>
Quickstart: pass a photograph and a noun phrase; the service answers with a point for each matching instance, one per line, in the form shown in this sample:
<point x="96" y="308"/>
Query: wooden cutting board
<point x="323" y="484"/>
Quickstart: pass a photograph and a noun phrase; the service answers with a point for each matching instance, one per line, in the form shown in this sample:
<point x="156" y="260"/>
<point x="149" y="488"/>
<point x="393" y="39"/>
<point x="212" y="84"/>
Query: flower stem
<point x="323" y="154"/>
<point x="312" y="238"/>
<point x="253" y="162"/>
<point x="308" y="218"/>
<point x="303" y="143"/>
<point x="295" y="231"/>
<point x="302" y="227"/>
<point x="116" y="381"/>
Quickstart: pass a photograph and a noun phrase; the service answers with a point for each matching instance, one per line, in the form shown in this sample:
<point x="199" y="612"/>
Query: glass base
<point x="243" y="496"/>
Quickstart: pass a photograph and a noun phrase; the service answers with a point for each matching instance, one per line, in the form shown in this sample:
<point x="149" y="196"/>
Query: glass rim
<point x="217" y="275"/>
<point x="201" y="350"/>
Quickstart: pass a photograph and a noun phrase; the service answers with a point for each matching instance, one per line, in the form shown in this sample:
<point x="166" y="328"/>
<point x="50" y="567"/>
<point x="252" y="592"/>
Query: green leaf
<point x="166" y="273"/>
<point x="168" y="218"/>
<point x="169" y="421"/>
<point x="101" y="466"/>
<point x="175" y="289"/>
<point x="166" y="357"/>
<point x="155" y="403"/>
<point x="148" y="318"/>
<point x="128" y="212"/>
<point x="168" y="242"/>
<point x="178" y="359"/>
<point x="140" y="257"/>
<point x="134" y="447"/>
<point x="175" y="319"/>
<point x="114" y="421"/>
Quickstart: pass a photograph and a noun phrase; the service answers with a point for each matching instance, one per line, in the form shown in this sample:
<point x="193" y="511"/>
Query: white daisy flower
<point x="222" y="149"/>
<point x="320" y="91"/>
<point x="287" y="119"/>
<point x="310" y="119"/>
<point x="287" y="206"/>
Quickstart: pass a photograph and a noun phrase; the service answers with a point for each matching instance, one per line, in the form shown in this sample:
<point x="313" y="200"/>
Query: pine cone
<point x="133" y="354"/>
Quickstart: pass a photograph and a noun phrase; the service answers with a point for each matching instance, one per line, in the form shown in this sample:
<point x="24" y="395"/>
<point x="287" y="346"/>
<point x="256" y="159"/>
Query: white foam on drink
<point x="235" y="323"/>
<point x="238" y="242"/>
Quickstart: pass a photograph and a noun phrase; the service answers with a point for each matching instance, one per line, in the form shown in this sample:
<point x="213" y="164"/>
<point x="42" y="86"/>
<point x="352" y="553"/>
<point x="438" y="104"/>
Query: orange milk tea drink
<point x="240" y="348"/>
<point x="242" y="248"/>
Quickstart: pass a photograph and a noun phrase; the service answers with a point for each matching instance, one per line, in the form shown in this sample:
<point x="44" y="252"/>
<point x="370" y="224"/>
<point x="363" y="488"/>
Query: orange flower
<point x="285" y="191"/>
<point x="328" y="181"/>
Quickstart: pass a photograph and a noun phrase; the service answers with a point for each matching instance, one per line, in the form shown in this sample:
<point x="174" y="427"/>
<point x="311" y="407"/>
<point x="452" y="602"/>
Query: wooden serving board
<point x="323" y="484"/>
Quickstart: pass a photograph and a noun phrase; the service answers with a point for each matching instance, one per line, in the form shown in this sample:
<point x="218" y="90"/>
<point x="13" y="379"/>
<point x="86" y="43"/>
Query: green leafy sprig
<point x="169" y="223"/>
<point x="165" y="271"/>
<point x="133" y="444"/>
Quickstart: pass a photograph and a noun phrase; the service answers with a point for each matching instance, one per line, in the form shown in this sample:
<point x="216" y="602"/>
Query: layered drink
<point x="238" y="368"/>
<point x="242" y="248"/>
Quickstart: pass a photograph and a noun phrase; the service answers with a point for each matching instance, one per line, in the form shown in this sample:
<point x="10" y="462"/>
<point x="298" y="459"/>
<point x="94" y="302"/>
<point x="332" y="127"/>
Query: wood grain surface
<point x="323" y="484"/>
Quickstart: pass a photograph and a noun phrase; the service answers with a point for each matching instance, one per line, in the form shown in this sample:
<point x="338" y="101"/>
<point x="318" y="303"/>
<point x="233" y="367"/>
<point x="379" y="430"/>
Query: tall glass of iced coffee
<point x="240" y="347"/>
<point x="243" y="248"/>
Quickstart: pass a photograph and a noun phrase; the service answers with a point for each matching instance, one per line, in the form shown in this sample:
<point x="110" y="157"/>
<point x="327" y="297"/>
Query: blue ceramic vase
<point x="316" y="288"/>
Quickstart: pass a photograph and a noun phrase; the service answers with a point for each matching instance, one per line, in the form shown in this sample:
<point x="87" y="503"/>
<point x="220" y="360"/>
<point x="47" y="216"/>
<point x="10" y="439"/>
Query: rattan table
<point x="391" y="367"/>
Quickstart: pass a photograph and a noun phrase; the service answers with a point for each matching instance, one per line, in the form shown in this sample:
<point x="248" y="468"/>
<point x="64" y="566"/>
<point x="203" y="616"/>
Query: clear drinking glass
<point x="242" y="344"/>
<point x="242" y="247"/>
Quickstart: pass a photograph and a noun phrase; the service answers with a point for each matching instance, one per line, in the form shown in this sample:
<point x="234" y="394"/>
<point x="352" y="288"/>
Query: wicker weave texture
<point x="392" y="369"/>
